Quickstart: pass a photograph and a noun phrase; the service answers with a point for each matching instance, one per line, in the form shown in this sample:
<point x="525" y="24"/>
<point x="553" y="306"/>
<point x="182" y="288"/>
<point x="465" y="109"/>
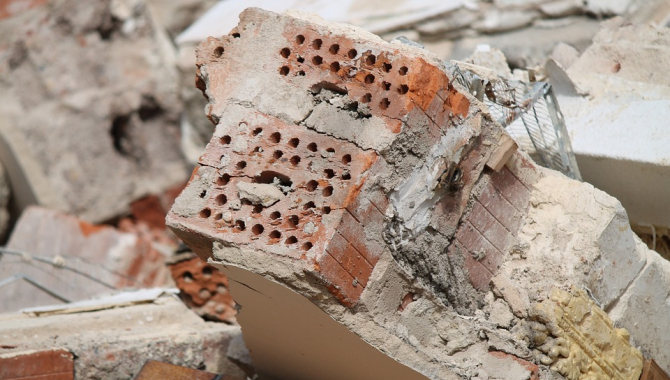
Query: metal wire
<point x="530" y="114"/>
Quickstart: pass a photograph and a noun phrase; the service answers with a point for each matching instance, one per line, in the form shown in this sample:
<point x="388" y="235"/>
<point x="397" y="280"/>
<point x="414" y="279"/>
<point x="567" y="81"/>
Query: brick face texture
<point x="352" y="147"/>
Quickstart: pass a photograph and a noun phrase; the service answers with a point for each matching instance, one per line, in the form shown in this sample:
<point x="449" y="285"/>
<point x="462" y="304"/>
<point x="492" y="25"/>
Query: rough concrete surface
<point x="105" y="75"/>
<point x="164" y="330"/>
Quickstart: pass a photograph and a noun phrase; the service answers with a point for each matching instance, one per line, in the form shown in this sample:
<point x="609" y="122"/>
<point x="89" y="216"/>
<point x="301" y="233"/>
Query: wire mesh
<point x="530" y="114"/>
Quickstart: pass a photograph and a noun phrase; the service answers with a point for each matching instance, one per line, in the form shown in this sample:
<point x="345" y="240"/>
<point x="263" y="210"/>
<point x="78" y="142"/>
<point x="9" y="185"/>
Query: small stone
<point x="501" y="315"/>
<point x="259" y="193"/>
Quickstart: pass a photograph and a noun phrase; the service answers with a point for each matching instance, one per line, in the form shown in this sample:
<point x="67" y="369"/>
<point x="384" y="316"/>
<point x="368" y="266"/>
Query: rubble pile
<point x="369" y="198"/>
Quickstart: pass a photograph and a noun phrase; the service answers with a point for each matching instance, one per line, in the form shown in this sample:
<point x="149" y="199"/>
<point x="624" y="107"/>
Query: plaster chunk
<point x="259" y="193"/>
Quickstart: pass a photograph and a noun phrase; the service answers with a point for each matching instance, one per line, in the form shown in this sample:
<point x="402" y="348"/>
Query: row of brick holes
<point x="293" y="143"/>
<point x="311" y="186"/>
<point x="335" y="67"/>
<point x="204" y="293"/>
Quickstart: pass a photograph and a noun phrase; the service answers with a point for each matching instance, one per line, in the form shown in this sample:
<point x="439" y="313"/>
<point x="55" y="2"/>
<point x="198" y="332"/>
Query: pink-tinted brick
<point x="488" y="226"/>
<point x="350" y="259"/>
<point x="511" y="188"/>
<point x="478" y="275"/>
<point x="479" y="248"/>
<point x="496" y="204"/>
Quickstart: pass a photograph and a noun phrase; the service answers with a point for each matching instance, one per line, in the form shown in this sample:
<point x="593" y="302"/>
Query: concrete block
<point x="164" y="330"/>
<point x="643" y="309"/>
<point x="90" y="115"/>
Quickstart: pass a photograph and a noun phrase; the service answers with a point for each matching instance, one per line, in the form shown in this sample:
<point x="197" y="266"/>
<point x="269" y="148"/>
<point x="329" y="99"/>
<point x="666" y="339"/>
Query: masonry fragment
<point x="400" y="239"/>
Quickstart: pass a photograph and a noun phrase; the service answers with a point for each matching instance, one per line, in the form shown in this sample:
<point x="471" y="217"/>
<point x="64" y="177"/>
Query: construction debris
<point x="396" y="235"/>
<point x="104" y="75"/>
<point x="365" y="206"/>
<point x="161" y="329"/>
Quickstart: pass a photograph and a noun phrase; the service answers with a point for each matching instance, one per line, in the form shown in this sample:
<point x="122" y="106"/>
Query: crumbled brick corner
<point x="202" y="287"/>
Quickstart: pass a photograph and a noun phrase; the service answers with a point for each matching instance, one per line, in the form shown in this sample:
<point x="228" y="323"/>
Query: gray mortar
<point x="190" y="202"/>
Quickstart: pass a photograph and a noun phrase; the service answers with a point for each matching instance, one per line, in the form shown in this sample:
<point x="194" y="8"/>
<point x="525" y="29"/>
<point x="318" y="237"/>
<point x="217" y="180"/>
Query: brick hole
<point x="308" y="205"/>
<point x="258" y="149"/>
<point x="275" y="234"/>
<point x="241" y="165"/>
<point x="312" y="147"/>
<point x="218" y="52"/>
<point x="293" y="221"/>
<point x="235" y="35"/>
<point x="205" y="213"/>
<point x="225" y="140"/>
<point x="346" y="159"/>
<point x="207" y="272"/>
<point x="330" y="150"/>
<point x="387" y="67"/>
<point x="326" y="209"/>
<point x="257" y="229"/>
<point x="317" y="60"/>
<point x="187" y="277"/>
<point x="370" y="60"/>
<point x="300" y="39"/>
<point x="316" y="44"/>
<point x="327" y="191"/>
<point x="346" y="176"/>
<point x="294" y="142"/>
<point x="403" y="89"/>
<point x="301" y="73"/>
<point x="275" y="215"/>
<point x="218" y="216"/>
<point x="329" y="173"/>
<point x="277" y="154"/>
<point x="301" y="59"/>
<point x="221" y="199"/>
<point x="403" y="70"/>
<point x="240" y="225"/>
<point x="307" y="246"/>
<point x="295" y="160"/>
<point x="335" y="67"/>
<point x="334" y="48"/>
<point x="204" y="294"/>
<point x="223" y="180"/>
<point x="257" y="209"/>
<point x="312" y="185"/>
<point x="291" y="240"/>
<point x="203" y="193"/>
<point x="284" y="70"/>
<point x="285" y="52"/>
<point x="386" y="86"/>
<point x="369" y="79"/>
<point x="257" y="131"/>
<point x="221" y="289"/>
<point x="352" y="53"/>
<point x="367" y="98"/>
<point x="384" y="104"/>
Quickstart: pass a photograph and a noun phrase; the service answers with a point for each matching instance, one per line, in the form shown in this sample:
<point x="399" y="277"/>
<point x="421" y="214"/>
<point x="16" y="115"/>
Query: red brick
<point x="353" y="232"/>
<point x="475" y="244"/>
<point x="203" y="288"/>
<point x="489" y="227"/>
<point x="496" y="204"/>
<point x="57" y="364"/>
<point x="350" y="259"/>
<point x="338" y="280"/>
<point x="511" y="188"/>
